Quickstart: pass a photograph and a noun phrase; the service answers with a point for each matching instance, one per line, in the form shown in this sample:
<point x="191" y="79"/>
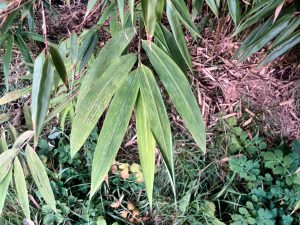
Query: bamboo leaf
<point x="4" y="188"/>
<point x="235" y="11"/>
<point x="59" y="65"/>
<point x="282" y="48"/>
<point x="178" y="34"/>
<point x="213" y="6"/>
<point x="87" y="49"/>
<point x="113" y="130"/>
<point x="40" y="177"/>
<point x="180" y="92"/>
<point x="89" y="110"/>
<point x="14" y="95"/>
<point x="184" y="15"/>
<point x="160" y="9"/>
<point x="158" y="117"/>
<point x="146" y="146"/>
<point x="167" y="39"/>
<point x="23" y="138"/>
<point x="114" y="48"/>
<point x="41" y="90"/>
<point x="20" y="184"/>
<point x="106" y="13"/>
<point x="7" y="59"/>
<point x="6" y="160"/>
<point x="149" y="15"/>
<point x="24" y="51"/>
<point x="268" y="35"/>
<point x="121" y="11"/>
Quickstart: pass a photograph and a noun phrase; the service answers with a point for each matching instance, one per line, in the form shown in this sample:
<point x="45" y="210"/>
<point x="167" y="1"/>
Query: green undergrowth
<point x="243" y="179"/>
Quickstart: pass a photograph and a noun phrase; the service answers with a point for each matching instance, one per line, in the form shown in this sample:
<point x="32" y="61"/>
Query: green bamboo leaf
<point x="27" y="117"/>
<point x="14" y="95"/>
<point x="121" y="11"/>
<point x="113" y="130"/>
<point x="114" y="48"/>
<point x="7" y="59"/>
<point x="6" y="160"/>
<point x="213" y="6"/>
<point x="253" y="36"/>
<point x="40" y="177"/>
<point x="59" y="65"/>
<point x="268" y="35"/>
<point x="160" y="9"/>
<point x="146" y="146"/>
<point x="235" y="10"/>
<point x="74" y="48"/>
<point x="282" y="48"/>
<point x="184" y="15"/>
<point x="87" y="49"/>
<point x="8" y="22"/>
<point x="20" y="184"/>
<point x="106" y="13"/>
<point x="24" y="51"/>
<point x="293" y="25"/>
<point x="167" y="40"/>
<point x="149" y="15"/>
<point x="90" y="6"/>
<point x="3" y="143"/>
<point x="4" y="188"/>
<point x="260" y="11"/>
<point x="178" y="34"/>
<point x="180" y="92"/>
<point x="158" y="117"/>
<point x="41" y="90"/>
<point x="89" y="110"/>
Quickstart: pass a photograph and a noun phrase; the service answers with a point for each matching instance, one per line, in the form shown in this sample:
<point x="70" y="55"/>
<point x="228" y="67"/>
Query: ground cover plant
<point x="130" y="68"/>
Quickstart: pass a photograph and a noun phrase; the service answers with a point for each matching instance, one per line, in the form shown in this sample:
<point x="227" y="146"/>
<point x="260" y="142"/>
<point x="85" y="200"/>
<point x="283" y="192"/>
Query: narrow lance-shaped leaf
<point x="113" y="130"/>
<point x="146" y="146"/>
<point x="87" y="52"/>
<point x="160" y="9"/>
<point x="149" y="15"/>
<point x="19" y="142"/>
<point x="41" y="90"/>
<point x="14" y="95"/>
<point x="213" y="6"/>
<point x="6" y="161"/>
<point x="106" y="13"/>
<point x="235" y="10"/>
<point x="24" y="51"/>
<point x="178" y="34"/>
<point x="282" y="48"/>
<point x="59" y="65"/>
<point x="20" y="184"/>
<point x="184" y="15"/>
<point x="114" y="48"/>
<point x="7" y="59"/>
<point x="157" y="114"/>
<point x="4" y="188"/>
<point x="180" y="92"/>
<point x="40" y="177"/>
<point x="89" y="110"/>
<point x="121" y="11"/>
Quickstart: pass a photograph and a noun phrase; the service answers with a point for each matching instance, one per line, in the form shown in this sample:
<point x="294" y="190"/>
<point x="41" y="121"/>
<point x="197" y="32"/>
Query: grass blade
<point x="4" y="188"/>
<point x="14" y="95"/>
<point x="121" y="11"/>
<point x="6" y="160"/>
<point x="24" y="51"/>
<point x="234" y="10"/>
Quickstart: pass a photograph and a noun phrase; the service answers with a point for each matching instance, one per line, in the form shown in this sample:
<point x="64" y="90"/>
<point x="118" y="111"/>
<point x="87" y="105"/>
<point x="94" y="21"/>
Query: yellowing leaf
<point x="6" y="161"/>
<point x="14" y="95"/>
